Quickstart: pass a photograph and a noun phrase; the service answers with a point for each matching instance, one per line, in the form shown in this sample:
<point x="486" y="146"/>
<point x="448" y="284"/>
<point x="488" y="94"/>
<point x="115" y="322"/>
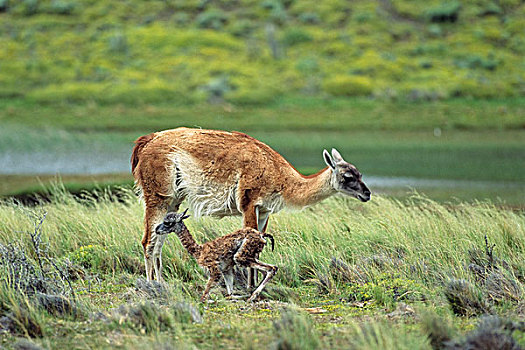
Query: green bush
<point x="445" y="12"/>
<point x="482" y="89"/>
<point x="212" y="19"/>
<point x="62" y="7"/>
<point x="90" y="256"/>
<point x="348" y="86"/>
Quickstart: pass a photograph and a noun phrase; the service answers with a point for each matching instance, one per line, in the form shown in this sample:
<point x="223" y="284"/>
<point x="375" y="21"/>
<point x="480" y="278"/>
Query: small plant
<point x="32" y="269"/>
<point x="464" y="298"/>
<point x="439" y="330"/>
<point x="145" y="317"/>
<point x="296" y="331"/>
<point x="89" y="256"/>
<point x="492" y="332"/>
<point x="386" y="289"/>
<point x="495" y="275"/>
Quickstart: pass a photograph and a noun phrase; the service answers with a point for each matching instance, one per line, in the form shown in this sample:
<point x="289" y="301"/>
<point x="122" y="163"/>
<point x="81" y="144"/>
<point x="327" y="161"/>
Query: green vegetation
<point x="378" y="275"/>
<point x="132" y="52"/>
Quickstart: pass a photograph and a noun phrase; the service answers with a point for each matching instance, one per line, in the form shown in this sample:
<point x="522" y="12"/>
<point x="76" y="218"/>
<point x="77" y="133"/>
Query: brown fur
<point x="171" y="165"/>
<point x="240" y="248"/>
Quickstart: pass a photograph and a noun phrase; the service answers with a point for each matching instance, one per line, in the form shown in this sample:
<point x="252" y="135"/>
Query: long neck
<point x="300" y="190"/>
<point x="189" y="243"/>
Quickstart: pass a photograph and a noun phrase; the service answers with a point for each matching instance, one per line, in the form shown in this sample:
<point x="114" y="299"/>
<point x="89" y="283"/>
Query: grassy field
<point x="402" y="88"/>
<point x="289" y="113"/>
<point x="364" y="276"/>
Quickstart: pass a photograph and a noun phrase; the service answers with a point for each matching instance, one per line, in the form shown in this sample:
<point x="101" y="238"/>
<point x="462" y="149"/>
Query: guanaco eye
<point x="348" y="176"/>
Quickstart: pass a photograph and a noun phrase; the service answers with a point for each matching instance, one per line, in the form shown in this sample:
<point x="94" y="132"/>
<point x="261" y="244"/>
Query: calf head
<point x="173" y="222"/>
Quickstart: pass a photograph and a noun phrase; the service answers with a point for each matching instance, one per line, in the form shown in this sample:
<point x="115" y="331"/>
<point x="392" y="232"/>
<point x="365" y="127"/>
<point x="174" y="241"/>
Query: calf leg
<point x="228" y="280"/>
<point x="270" y="271"/>
<point x="215" y="276"/>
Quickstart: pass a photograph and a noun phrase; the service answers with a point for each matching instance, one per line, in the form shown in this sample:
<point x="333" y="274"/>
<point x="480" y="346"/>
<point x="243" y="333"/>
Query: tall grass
<point x="350" y="258"/>
<point x="420" y="232"/>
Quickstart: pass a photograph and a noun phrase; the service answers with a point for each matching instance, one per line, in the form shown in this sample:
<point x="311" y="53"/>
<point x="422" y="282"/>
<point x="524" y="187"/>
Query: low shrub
<point x="386" y="290"/>
<point x="492" y="332"/>
<point x="295" y="330"/>
<point x="22" y="322"/>
<point x="145" y="317"/>
<point x="439" y="331"/>
<point x="89" y="256"/>
<point x="464" y="298"/>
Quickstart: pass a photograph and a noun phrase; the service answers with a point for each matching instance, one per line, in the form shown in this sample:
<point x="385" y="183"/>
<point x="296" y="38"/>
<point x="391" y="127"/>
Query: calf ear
<point x="328" y="159"/>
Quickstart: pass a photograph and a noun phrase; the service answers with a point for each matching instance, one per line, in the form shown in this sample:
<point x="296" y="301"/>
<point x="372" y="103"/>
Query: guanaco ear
<point x="328" y="159"/>
<point x="336" y="156"/>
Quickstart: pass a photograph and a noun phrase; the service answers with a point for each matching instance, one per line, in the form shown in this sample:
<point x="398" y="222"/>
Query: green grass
<point x="392" y="253"/>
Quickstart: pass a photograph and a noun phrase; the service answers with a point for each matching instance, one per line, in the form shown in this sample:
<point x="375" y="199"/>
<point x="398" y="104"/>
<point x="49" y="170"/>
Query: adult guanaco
<point x="226" y="173"/>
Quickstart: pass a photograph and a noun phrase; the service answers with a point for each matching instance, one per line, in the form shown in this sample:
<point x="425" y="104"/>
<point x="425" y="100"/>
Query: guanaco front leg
<point x="250" y="221"/>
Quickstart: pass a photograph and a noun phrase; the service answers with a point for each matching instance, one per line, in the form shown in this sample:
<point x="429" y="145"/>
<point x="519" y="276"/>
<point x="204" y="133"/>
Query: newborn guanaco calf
<point x="240" y="248"/>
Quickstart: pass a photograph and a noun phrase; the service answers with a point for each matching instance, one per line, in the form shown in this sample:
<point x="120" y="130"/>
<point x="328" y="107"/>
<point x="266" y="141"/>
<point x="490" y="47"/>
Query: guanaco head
<point x="173" y="222"/>
<point x="345" y="177"/>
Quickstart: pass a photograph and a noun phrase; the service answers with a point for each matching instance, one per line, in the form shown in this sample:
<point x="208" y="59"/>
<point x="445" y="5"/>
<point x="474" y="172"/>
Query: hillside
<point x="248" y="51"/>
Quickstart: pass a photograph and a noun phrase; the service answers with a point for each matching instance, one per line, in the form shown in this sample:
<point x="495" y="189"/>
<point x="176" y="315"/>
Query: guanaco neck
<point x="189" y="243"/>
<point x="301" y="191"/>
